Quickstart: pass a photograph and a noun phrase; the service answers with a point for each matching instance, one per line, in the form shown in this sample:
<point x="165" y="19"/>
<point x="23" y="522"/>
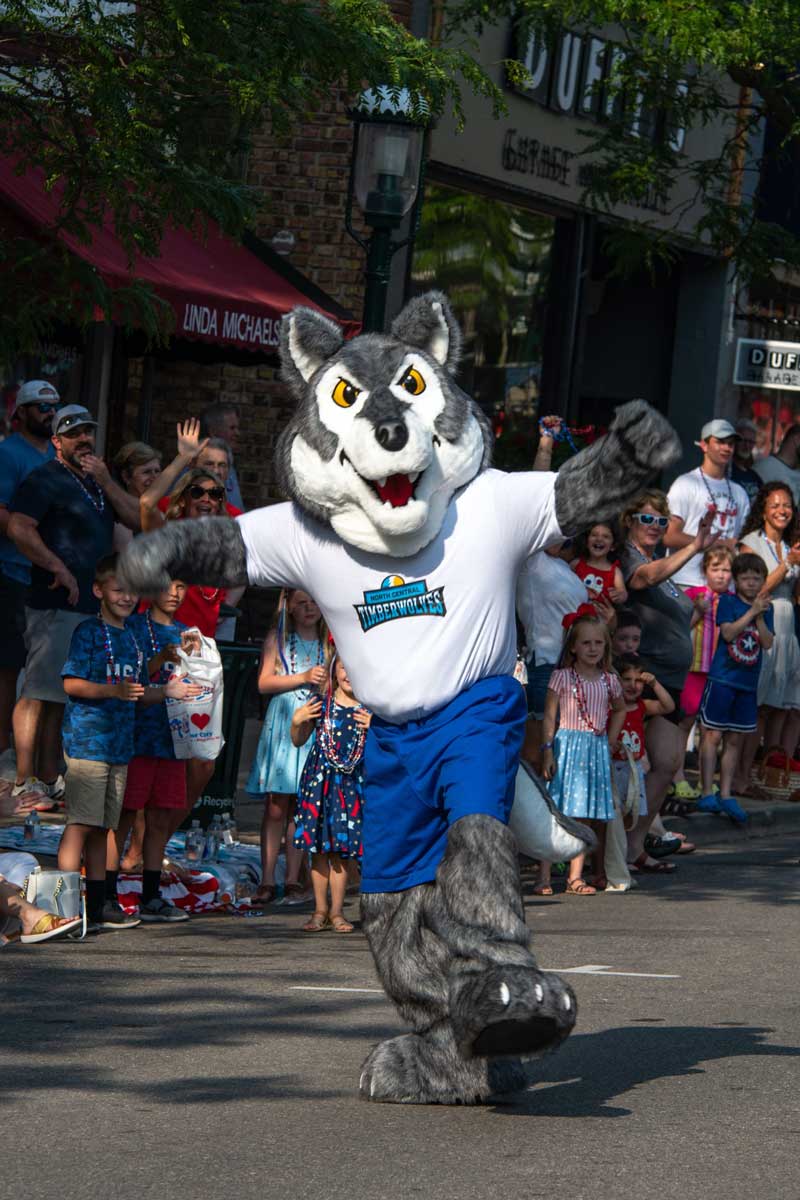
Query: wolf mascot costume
<point x="411" y="546"/>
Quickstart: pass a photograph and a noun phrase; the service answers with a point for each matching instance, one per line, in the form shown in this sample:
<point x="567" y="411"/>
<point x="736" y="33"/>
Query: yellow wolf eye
<point x="413" y="382"/>
<point x="344" y="394"/>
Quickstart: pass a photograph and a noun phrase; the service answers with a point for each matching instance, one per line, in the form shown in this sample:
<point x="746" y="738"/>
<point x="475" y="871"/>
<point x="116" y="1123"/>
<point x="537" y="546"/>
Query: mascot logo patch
<point x="395" y="599"/>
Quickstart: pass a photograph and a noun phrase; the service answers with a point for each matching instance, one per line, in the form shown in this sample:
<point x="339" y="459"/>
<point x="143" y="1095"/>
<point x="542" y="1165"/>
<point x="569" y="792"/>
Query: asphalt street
<point x="220" y="1058"/>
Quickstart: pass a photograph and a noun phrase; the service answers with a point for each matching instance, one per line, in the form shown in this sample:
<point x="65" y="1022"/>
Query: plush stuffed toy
<point x="411" y="546"/>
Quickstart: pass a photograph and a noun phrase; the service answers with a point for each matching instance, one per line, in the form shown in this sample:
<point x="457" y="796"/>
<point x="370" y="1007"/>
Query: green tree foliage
<point x="703" y="63"/>
<point x="140" y="113"/>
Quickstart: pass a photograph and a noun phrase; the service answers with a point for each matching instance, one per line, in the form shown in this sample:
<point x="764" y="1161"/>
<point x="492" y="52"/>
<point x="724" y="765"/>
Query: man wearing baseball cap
<point x="784" y="467"/>
<point x="29" y="447"/>
<point x="708" y="486"/>
<point x="62" y="521"/>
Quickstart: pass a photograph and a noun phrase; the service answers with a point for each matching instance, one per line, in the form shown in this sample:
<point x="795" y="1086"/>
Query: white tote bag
<point x="196" y="724"/>
<point x="58" y="892"/>
<point x="540" y="829"/>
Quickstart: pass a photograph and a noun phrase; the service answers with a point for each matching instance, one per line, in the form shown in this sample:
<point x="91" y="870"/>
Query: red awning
<point x="221" y="292"/>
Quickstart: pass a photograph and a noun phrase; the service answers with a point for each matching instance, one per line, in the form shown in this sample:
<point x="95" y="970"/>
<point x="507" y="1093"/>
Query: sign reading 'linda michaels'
<point x="223" y="324"/>
<point x="765" y="364"/>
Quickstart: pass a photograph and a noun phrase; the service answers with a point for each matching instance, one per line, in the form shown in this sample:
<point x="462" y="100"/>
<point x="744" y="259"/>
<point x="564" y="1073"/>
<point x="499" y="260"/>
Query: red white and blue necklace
<point x="113" y="670"/>
<point x="583" y="708"/>
<point x="98" y="502"/>
<point x="326" y="735"/>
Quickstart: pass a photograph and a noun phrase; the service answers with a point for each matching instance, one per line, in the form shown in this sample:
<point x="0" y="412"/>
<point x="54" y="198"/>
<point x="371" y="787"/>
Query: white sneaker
<point x="30" y="785"/>
<point x="56" y="789"/>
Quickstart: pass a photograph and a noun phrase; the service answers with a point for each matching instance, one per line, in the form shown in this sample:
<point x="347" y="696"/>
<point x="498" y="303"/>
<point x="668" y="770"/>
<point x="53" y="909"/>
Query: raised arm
<point x="189" y="446"/>
<point x="594" y="485"/>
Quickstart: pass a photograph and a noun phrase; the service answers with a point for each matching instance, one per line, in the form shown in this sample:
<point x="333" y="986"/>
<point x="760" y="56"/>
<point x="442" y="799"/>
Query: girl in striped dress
<point x="585" y="695"/>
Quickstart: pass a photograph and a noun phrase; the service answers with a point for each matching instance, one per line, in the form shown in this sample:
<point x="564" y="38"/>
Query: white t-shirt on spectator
<point x="774" y="470"/>
<point x="547" y="589"/>
<point x="689" y="499"/>
<point x="416" y="632"/>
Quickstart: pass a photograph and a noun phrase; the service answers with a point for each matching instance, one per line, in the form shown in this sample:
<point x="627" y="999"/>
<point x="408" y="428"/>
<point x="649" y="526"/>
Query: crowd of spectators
<point x="685" y="628"/>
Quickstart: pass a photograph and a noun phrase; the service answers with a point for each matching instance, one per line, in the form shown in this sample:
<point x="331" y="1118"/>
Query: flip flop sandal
<point x="340" y="924"/>
<point x="658" y="868"/>
<point x="50" y="926"/>
<point x="317" y="923"/>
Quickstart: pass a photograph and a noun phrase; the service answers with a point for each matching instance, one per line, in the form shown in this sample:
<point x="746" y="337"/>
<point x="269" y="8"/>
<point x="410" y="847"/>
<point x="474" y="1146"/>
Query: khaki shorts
<point x="95" y="791"/>
<point x="48" y="633"/>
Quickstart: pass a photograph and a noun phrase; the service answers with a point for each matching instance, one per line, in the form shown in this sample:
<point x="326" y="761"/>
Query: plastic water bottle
<point x="32" y="826"/>
<point x="230" y="834"/>
<point x="213" y="840"/>
<point x="195" y="843"/>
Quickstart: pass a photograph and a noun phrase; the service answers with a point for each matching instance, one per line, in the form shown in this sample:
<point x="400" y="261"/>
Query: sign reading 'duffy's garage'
<point x="764" y="364"/>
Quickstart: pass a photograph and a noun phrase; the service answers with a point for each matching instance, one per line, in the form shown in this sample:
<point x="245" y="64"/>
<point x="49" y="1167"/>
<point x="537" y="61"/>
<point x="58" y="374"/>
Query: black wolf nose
<point x="391" y="435"/>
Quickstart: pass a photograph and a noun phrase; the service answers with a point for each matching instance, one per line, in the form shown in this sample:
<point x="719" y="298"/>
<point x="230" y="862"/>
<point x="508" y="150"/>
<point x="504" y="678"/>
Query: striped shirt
<point x="597" y="694"/>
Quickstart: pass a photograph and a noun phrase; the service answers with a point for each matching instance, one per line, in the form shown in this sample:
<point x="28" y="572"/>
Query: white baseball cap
<point x="71" y="417"/>
<point x="36" y="391"/>
<point x="717" y="429"/>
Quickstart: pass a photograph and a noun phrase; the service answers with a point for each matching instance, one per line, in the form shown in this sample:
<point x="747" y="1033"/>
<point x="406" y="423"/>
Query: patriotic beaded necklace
<point x="326" y="735"/>
<point x="583" y="709"/>
<point x="97" y="504"/>
<point x="732" y="509"/>
<point x="113" y="672"/>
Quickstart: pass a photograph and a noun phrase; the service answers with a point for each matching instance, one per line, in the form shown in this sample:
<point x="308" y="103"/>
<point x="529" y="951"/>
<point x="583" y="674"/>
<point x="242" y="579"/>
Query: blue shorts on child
<point x="421" y="777"/>
<point x="726" y="707"/>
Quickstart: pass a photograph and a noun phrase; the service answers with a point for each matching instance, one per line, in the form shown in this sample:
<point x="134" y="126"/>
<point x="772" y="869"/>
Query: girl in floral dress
<point x="331" y="795"/>
<point x="292" y="670"/>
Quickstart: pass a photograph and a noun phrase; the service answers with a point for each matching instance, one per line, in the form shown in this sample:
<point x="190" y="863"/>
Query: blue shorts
<point x="421" y="777"/>
<point x="726" y="707"/>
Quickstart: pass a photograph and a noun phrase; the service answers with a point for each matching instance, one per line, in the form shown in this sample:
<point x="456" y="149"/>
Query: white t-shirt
<point x="547" y="589"/>
<point x="689" y="498"/>
<point x="415" y="632"/>
<point x="774" y="470"/>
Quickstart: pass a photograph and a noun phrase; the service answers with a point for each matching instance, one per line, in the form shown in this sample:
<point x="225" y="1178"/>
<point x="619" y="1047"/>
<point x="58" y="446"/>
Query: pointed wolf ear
<point x="307" y="340"/>
<point x="427" y="322"/>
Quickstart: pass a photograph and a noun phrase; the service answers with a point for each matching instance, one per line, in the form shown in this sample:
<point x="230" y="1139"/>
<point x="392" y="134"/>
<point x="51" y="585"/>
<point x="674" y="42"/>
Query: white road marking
<point x="589" y="969"/>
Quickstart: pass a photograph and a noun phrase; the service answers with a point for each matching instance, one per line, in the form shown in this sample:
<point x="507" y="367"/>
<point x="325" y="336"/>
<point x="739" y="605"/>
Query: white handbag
<point x="540" y="829"/>
<point x="58" y="892"/>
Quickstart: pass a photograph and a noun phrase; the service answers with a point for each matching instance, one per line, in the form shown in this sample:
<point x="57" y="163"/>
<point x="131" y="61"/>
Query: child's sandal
<point x="579" y="887"/>
<point x="317" y="923"/>
<point x="340" y="924"/>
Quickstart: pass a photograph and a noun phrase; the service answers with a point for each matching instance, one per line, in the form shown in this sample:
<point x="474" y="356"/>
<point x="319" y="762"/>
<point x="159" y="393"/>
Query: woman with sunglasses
<point x="666" y="646"/>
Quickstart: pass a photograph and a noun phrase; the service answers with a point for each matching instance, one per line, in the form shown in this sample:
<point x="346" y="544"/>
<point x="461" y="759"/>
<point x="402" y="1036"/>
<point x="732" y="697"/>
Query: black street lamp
<point x="389" y="127"/>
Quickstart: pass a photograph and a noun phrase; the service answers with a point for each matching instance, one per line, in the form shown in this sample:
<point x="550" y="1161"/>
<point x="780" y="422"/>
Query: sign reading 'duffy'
<point x="760" y="363"/>
<point x="568" y="74"/>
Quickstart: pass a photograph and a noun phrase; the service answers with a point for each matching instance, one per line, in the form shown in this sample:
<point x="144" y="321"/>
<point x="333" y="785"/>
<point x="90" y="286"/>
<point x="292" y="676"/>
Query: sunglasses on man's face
<point x="43" y="407"/>
<point x="648" y="519"/>
<point x="197" y="492"/>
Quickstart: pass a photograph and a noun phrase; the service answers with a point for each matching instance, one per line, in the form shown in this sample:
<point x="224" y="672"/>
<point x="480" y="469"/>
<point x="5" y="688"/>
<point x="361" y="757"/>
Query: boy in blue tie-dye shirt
<point x="105" y="682"/>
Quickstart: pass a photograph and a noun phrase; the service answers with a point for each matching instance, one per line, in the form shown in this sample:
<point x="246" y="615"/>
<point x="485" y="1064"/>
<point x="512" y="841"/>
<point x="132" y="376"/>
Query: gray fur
<point x="445" y="952"/>
<point x="307" y="340"/>
<point x="425" y="320"/>
<point x="210" y="551"/>
<point x="595" y="484"/>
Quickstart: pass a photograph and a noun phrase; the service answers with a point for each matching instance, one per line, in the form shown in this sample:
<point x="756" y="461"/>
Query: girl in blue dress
<point x="292" y="669"/>
<point x="331" y="795"/>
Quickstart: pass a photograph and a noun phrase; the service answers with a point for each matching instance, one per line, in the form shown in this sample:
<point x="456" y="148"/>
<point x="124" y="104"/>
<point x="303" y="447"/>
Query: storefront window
<point x="493" y="262"/>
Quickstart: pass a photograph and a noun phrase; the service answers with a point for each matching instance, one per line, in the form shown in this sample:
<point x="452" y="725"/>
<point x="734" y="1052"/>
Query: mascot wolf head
<point x="382" y="436"/>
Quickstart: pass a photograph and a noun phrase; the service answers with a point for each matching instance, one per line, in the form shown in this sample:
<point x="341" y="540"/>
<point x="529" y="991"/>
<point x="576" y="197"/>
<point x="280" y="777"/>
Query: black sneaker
<point x="114" y="917"/>
<point x="160" y="909"/>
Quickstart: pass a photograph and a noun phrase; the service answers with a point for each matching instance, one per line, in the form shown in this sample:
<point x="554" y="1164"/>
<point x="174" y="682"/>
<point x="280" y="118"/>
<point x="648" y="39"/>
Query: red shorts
<point x="155" y="783"/>
<point x="692" y="692"/>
